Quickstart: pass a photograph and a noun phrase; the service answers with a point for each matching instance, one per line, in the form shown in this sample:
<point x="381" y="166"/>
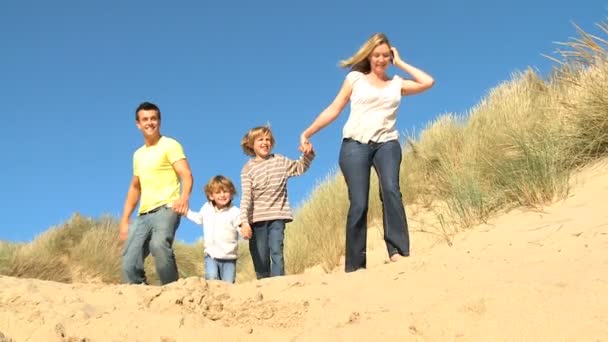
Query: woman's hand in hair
<point x="396" y="56"/>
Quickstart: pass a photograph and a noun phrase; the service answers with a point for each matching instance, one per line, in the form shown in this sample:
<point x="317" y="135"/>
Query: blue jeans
<point x="356" y="161"/>
<point x="266" y="248"/>
<point x="220" y="269"/>
<point x="151" y="233"/>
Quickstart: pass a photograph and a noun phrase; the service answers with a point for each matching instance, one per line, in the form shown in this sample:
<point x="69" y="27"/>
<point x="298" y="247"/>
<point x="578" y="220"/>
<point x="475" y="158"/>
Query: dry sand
<point x="527" y="275"/>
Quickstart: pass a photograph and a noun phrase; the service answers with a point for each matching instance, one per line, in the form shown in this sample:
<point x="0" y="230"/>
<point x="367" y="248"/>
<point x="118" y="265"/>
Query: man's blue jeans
<point x="356" y="161"/>
<point x="151" y="233"/>
<point x="220" y="269"/>
<point x="266" y="248"/>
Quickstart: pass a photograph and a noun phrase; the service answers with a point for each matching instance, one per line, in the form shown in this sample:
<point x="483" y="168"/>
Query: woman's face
<point x="380" y="58"/>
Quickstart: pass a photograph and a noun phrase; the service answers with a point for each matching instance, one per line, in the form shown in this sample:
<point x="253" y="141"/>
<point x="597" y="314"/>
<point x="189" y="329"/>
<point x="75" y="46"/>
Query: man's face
<point x="148" y="123"/>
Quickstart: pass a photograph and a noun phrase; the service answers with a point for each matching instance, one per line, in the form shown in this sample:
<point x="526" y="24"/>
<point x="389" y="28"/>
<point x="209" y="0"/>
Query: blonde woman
<point x="370" y="138"/>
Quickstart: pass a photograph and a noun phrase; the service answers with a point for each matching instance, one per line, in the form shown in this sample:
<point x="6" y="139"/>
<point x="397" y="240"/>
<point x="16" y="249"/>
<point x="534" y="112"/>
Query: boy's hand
<point x="246" y="231"/>
<point x="309" y="151"/>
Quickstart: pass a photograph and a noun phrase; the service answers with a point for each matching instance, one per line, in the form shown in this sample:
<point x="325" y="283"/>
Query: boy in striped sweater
<point x="264" y="205"/>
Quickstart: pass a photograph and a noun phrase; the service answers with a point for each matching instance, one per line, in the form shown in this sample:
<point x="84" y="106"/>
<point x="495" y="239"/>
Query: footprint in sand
<point x="60" y="332"/>
<point x="477" y="307"/>
<point x="4" y="338"/>
<point x="354" y="317"/>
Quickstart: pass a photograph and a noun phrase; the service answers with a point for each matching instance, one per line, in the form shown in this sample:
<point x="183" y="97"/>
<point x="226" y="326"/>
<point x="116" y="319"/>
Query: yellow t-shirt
<point x="158" y="180"/>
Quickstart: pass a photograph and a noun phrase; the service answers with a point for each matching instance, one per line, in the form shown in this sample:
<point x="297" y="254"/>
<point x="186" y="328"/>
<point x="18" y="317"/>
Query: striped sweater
<point x="264" y="187"/>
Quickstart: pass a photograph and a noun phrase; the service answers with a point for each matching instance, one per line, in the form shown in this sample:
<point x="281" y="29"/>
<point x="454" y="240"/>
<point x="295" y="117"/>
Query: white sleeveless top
<point x="373" y="110"/>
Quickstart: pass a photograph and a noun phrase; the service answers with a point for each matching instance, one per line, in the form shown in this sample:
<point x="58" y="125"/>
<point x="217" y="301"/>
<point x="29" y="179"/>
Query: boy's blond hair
<point x="360" y="60"/>
<point x="219" y="182"/>
<point x="251" y="135"/>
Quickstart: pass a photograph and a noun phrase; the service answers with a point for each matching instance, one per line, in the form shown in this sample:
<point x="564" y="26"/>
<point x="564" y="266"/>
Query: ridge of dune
<point x="526" y="275"/>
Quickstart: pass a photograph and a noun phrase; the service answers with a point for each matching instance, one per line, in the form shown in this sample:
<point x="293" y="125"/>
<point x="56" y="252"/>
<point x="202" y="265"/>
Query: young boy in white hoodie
<point x="220" y="220"/>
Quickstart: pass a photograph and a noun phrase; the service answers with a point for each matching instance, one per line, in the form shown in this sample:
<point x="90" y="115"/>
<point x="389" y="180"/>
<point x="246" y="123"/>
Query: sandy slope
<point x="525" y="276"/>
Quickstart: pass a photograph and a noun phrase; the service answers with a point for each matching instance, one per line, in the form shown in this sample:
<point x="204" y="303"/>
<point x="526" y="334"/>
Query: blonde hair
<point x="219" y="182"/>
<point x="251" y="135"/>
<point x="360" y="60"/>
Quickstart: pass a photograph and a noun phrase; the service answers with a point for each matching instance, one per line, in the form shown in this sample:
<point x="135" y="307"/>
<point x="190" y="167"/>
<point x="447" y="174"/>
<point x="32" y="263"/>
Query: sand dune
<point x="527" y="275"/>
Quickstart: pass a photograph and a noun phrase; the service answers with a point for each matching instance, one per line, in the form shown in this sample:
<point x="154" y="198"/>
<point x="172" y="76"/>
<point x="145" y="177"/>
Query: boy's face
<point x="262" y="146"/>
<point x="221" y="198"/>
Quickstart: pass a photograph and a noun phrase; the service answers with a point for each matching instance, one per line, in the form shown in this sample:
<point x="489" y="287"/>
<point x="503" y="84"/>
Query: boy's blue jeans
<point x="356" y="161"/>
<point x="266" y="248"/>
<point x="151" y="233"/>
<point x="220" y="269"/>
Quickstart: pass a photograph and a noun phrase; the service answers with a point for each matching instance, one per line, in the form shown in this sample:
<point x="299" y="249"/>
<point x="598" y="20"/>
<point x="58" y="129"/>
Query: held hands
<point x="305" y="145"/>
<point x="246" y="231"/>
<point x="181" y="206"/>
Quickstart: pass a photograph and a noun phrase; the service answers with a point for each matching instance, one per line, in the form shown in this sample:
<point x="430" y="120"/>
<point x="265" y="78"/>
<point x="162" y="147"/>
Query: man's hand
<point x="182" y="169"/>
<point x="181" y="206"/>
<point x="124" y="230"/>
<point x="246" y="231"/>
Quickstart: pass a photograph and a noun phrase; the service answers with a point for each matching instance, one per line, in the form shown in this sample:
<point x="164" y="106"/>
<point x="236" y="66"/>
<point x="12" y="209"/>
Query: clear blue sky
<point x="72" y="72"/>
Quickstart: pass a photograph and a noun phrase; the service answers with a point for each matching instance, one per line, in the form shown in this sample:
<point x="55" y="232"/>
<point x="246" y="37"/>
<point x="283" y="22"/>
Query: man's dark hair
<point x="146" y="106"/>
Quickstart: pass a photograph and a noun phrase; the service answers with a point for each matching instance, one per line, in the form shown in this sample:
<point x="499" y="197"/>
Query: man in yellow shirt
<point x="158" y="167"/>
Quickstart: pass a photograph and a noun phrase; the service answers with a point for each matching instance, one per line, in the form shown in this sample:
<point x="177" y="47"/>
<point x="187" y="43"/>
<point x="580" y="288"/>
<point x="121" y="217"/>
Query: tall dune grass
<point x="84" y="250"/>
<point x="506" y="151"/>
<point x="517" y="147"/>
